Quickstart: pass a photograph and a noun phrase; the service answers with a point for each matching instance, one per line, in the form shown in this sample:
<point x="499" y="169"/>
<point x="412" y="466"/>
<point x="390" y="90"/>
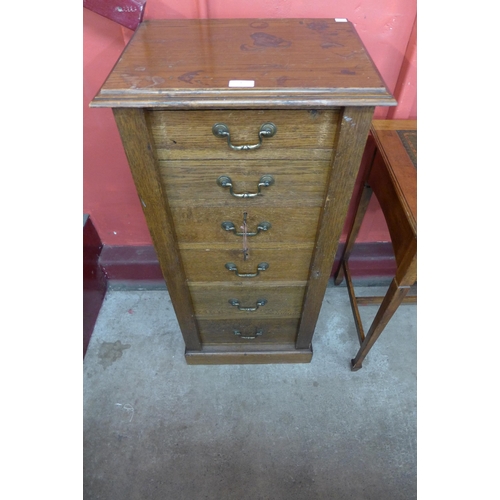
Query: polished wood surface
<point x="392" y="177"/>
<point x="188" y="63"/>
<point x="315" y="82"/>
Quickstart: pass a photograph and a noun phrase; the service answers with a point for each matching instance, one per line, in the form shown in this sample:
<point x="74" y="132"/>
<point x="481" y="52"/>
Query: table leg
<point x="391" y="302"/>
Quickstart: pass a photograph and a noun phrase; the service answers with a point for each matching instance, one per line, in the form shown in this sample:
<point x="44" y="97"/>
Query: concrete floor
<point x="158" y="429"/>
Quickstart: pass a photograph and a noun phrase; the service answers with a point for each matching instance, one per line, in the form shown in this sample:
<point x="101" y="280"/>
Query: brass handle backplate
<point x="263" y="266"/>
<point x="258" y="333"/>
<point x="236" y="303"/>
<point x="229" y="226"/>
<point x="265" y="181"/>
<point x="266" y="130"/>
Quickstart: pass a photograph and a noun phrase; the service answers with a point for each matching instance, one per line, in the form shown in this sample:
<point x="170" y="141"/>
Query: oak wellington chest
<point x="244" y="138"/>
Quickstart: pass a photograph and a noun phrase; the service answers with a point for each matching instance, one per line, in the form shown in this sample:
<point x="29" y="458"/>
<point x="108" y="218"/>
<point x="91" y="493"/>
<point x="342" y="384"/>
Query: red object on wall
<point x="128" y="13"/>
<point x="94" y="280"/>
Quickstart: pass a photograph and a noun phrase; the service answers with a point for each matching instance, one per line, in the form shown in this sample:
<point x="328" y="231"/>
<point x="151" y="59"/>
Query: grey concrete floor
<point x="156" y="428"/>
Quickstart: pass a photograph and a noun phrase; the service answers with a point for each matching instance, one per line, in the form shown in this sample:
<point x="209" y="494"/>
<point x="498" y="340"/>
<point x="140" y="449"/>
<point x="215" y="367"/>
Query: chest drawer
<point x="223" y="263"/>
<point x="194" y="183"/>
<point x="271" y="224"/>
<point x="249" y="331"/>
<point x="255" y="301"/>
<point x="300" y="134"/>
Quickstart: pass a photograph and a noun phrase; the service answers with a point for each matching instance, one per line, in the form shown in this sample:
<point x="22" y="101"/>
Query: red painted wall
<point x="387" y="28"/>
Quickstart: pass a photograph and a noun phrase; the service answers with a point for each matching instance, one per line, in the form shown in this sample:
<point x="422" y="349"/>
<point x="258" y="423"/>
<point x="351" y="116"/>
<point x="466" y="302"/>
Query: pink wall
<point x="387" y="28"/>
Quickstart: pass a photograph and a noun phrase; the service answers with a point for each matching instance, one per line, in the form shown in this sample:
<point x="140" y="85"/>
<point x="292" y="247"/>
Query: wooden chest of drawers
<point x="244" y="138"/>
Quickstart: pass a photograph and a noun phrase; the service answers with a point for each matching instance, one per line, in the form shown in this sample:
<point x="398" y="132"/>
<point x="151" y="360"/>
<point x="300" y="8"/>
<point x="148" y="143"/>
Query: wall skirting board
<point x="370" y="263"/>
<point x="136" y="267"/>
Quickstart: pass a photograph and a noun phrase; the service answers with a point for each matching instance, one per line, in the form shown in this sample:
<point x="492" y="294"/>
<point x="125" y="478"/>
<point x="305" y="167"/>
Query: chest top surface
<point x="233" y="63"/>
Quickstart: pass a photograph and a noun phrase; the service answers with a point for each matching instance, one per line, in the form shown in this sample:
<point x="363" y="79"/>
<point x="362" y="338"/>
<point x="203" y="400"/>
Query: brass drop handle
<point x="266" y="130"/>
<point x="236" y="303"/>
<point x="225" y="181"/>
<point x="229" y="226"/>
<point x="258" y="333"/>
<point x="263" y="266"/>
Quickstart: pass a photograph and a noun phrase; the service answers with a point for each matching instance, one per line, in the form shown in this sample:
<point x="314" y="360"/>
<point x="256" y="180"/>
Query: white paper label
<point x="241" y="83"/>
<point x="340" y="20"/>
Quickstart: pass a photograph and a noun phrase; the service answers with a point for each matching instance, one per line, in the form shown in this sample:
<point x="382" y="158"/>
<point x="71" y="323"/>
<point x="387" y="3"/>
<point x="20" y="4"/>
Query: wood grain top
<point x="400" y="165"/>
<point x="290" y="63"/>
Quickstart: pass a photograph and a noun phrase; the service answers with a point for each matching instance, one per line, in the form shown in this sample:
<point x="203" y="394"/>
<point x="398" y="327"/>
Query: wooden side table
<point x="392" y="176"/>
